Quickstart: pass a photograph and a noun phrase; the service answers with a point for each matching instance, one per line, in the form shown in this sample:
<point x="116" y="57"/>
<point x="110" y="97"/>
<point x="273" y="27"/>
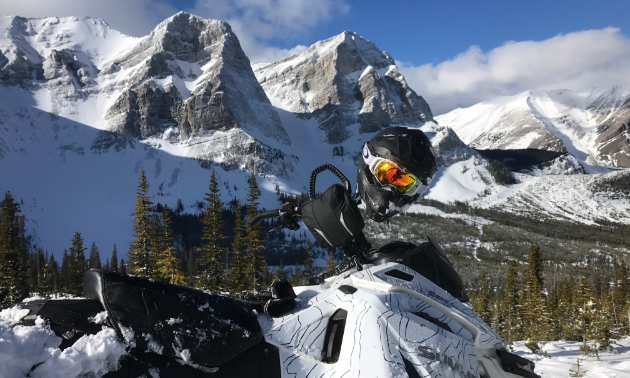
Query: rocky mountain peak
<point x="342" y="81"/>
<point x="592" y="125"/>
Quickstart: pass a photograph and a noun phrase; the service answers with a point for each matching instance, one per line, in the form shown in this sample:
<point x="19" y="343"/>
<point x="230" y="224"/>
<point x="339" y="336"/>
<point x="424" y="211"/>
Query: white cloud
<point x="257" y="21"/>
<point x="580" y="60"/>
<point x="132" y="17"/>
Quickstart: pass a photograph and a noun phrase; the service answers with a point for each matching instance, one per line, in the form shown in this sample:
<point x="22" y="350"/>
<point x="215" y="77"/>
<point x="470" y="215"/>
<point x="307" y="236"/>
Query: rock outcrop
<point x="190" y="73"/>
<point x="342" y="81"/>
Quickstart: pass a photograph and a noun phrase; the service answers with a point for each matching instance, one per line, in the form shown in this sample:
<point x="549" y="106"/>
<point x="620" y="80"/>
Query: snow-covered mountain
<point x="342" y="81"/>
<point x="593" y="125"/>
<point x="83" y="108"/>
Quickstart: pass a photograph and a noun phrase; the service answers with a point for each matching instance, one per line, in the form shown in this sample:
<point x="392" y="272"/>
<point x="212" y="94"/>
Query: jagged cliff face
<point x="592" y="125"/>
<point x="342" y="81"/>
<point x="191" y="74"/>
<point x="186" y="81"/>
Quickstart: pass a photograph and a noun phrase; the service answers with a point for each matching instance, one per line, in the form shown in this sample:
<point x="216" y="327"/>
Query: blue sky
<point x="433" y="31"/>
<point x="454" y="53"/>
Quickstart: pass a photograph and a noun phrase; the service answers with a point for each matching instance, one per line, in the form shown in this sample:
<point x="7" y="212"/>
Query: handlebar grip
<point x="266" y="214"/>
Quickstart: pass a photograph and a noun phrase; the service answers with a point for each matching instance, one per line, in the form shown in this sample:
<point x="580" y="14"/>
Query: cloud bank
<point x="255" y="22"/>
<point x="576" y="61"/>
<point x="132" y="17"/>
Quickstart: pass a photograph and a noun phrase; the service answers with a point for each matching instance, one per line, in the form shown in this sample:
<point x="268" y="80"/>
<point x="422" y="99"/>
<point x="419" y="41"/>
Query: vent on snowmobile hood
<point x="427" y="259"/>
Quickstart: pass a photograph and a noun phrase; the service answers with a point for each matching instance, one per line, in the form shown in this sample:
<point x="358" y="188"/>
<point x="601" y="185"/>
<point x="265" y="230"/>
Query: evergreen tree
<point x="44" y="271"/>
<point x="584" y="313"/>
<point x="579" y="372"/>
<point x="53" y="270"/>
<point x="77" y="266"/>
<point x="330" y="262"/>
<point x="123" y="267"/>
<point x="167" y="263"/>
<point x="482" y="299"/>
<point x="65" y="271"/>
<point x="603" y="326"/>
<point x="192" y="269"/>
<point x="114" y="263"/>
<point x="106" y="267"/>
<point x="534" y="309"/>
<point x="95" y="258"/>
<point x="568" y="309"/>
<point x="297" y="275"/>
<point x="213" y="278"/>
<point x="237" y="276"/>
<point x="254" y="243"/>
<point x="621" y="300"/>
<point x="513" y="322"/>
<point x="279" y="273"/>
<point x="309" y="264"/>
<point x="13" y="254"/>
<point x="140" y="258"/>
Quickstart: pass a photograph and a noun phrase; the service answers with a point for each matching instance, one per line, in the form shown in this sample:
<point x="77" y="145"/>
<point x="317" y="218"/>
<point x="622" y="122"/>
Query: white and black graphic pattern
<point x="386" y="333"/>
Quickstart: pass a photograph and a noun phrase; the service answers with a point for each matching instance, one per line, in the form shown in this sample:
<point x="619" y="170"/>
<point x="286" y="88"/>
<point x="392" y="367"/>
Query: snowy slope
<point x="83" y="108"/>
<point x="592" y="125"/>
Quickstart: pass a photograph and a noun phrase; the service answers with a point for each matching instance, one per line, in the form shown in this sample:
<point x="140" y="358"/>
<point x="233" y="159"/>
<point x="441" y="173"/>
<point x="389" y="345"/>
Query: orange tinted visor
<point x="388" y="173"/>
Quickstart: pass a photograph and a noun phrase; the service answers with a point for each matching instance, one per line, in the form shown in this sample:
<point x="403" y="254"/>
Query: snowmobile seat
<point x="174" y="320"/>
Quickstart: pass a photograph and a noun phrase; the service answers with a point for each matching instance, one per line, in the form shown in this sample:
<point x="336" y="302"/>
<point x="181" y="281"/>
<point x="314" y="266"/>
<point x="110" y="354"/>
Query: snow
<point x="22" y="347"/>
<point x="564" y="354"/>
<point x="516" y="122"/>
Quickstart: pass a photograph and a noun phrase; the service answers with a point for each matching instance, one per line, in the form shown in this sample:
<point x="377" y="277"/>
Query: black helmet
<point x="396" y="168"/>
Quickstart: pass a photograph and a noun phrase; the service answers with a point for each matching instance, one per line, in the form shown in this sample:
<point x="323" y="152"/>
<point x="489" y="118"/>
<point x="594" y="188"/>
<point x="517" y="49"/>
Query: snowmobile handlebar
<point x="265" y="215"/>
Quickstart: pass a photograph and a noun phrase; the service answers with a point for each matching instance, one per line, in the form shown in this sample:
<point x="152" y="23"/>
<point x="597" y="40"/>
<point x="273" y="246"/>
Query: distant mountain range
<point x="83" y="108"/>
<point x="593" y="125"/>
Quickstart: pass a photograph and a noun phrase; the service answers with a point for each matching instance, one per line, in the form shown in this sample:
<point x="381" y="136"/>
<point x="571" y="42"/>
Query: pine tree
<point x="513" y="318"/>
<point x="213" y="278"/>
<point x="279" y="273"/>
<point x="140" y="258"/>
<point x="254" y="243"/>
<point x="65" y="271"/>
<point x="297" y="275"/>
<point x="237" y="276"/>
<point x="482" y="305"/>
<point x="584" y="316"/>
<point x="53" y="278"/>
<point x="123" y="267"/>
<point x="192" y="269"/>
<point x="621" y="300"/>
<point x="534" y="309"/>
<point x="167" y="263"/>
<point x="114" y="263"/>
<point x="309" y="264"/>
<point x="330" y="262"/>
<point x="13" y="254"/>
<point x="95" y="258"/>
<point x="577" y="373"/>
<point x="106" y="267"/>
<point x="77" y="266"/>
<point x="568" y="309"/>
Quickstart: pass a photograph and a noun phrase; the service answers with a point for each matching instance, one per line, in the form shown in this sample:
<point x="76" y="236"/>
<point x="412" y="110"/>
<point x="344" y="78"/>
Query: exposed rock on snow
<point x="191" y="73"/>
<point x="593" y="125"/>
<point x="341" y="81"/>
<point x="189" y="76"/>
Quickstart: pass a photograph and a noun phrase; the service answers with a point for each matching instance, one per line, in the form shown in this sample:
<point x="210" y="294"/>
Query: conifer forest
<point x="532" y="279"/>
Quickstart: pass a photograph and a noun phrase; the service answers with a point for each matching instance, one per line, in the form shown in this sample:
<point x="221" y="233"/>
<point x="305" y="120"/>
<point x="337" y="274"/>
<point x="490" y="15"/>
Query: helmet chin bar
<point x="381" y="202"/>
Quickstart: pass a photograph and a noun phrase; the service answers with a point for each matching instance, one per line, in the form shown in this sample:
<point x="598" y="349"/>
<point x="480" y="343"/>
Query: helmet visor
<point x="388" y="173"/>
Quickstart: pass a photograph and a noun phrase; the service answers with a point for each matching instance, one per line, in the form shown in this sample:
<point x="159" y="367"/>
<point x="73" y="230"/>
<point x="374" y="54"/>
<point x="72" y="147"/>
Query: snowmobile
<point x="397" y="311"/>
